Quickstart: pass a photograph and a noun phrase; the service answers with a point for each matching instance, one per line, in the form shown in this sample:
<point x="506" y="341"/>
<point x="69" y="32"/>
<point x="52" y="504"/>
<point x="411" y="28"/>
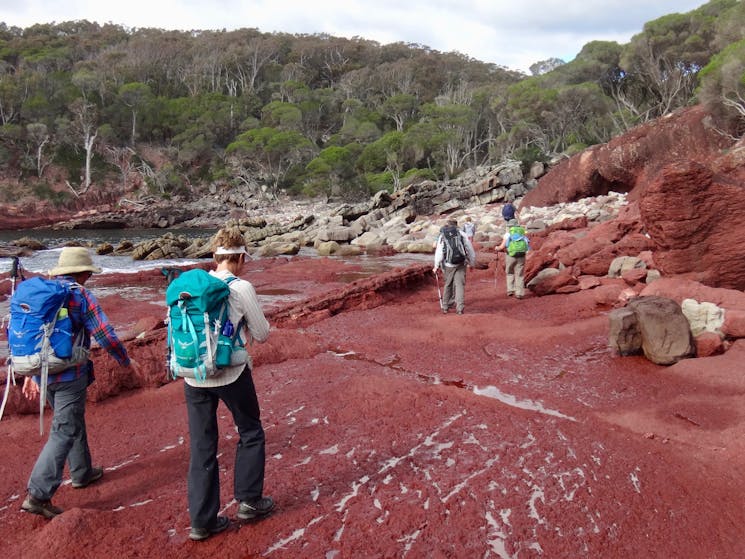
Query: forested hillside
<point x="90" y="110"/>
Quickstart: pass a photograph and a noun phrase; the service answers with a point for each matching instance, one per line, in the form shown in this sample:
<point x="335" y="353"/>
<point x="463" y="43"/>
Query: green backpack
<point x="517" y="242"/>
<point x="201" y="338"/>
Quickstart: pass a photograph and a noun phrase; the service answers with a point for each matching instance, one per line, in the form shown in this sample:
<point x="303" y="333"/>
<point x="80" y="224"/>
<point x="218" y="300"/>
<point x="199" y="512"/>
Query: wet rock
<point x="368" y="239"/>
<point x="105" y="248"/>
<point x="124" y="247"/>
<point x="29" y="243"/>
<point x="327" y="248"/>
<point x="276" y="249"/>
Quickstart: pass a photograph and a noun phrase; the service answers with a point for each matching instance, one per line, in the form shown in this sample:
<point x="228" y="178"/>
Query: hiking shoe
<point x="200" y="534"/>
<point x="255" y="509"/>
<point x="460" y="311"/>
<point x="96" y="474"/>
<point x="444" y="311"/>
<point x="37" y="506"/>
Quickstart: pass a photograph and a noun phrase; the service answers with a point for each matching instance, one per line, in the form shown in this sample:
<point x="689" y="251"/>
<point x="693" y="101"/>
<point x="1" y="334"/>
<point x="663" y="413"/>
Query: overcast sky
<point x="512" y="33"/>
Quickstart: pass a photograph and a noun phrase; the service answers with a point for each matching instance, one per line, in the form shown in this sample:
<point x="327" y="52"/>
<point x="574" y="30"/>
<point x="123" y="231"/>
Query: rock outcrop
<point x="653" y="325"/>
<point x="623" y="164"/>
<point x="694" y="217"/>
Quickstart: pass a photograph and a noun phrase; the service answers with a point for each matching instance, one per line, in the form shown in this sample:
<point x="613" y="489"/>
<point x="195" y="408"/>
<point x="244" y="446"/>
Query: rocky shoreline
<point x="406" y="221"/>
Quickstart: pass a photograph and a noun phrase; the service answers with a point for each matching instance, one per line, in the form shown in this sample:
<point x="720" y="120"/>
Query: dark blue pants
<point x="204" y="474"/>
<point x="68" y="440"/>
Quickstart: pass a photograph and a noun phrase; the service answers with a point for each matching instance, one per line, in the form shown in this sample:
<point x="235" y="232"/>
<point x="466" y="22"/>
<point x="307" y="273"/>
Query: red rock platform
<point x="396" y="431"/>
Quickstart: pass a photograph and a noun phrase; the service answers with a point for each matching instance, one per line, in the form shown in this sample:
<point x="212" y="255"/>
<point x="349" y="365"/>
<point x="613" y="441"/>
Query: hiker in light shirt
<point x="235" y="387"/>
<point x="454" y="273"/>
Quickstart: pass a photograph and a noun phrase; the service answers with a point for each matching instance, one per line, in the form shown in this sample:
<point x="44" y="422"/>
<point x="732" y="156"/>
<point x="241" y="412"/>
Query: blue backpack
<point x="40" y="335"/>
<point x="201" y="338"/>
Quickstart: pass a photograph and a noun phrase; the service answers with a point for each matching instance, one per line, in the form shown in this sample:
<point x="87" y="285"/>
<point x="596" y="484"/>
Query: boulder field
<point x="396" y="431"/>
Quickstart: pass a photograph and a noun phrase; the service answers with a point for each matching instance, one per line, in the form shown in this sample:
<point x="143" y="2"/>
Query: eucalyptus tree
<point x="331" y="171"/>
<point x="270" y="152"/>
<point x="665" y="58"/>
<point x="388" y="155"/>
<point x="723" y="87"/>
<point x="321" y="114"/>
<point x="12" y="96"/>
<point x="401" y="109"/>
<point x="81" y="131"/>
<point x="38" y="139"/>
<point x="446" y="133"/>
<point x="136" y="96"/>
<point x="730" y="24"/>
<point x="286" y="116"/>
<point x="545" y="66"/>
<point x="247" y="53"/>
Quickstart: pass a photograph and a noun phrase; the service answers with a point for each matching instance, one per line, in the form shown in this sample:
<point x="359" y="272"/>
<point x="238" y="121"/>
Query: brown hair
<point x="228" y="237"/>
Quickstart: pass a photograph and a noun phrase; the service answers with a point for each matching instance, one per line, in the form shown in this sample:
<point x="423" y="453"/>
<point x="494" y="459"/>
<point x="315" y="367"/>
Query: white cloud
<point x="504" y="32"/>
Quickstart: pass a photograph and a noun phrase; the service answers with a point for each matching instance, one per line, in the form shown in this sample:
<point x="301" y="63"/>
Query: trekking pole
<point x="9" y="375"/>
<point x="14" y="275"/>
<point x="496" y="270"/>
<point x="439" y="293"/>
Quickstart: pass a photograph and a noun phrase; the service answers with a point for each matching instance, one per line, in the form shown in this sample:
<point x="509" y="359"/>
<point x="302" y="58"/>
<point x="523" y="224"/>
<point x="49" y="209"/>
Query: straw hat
<point x="73" y="260"/>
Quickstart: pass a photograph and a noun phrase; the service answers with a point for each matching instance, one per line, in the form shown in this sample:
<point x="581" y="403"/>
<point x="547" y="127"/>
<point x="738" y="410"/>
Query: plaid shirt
<point x="85" y="312"/>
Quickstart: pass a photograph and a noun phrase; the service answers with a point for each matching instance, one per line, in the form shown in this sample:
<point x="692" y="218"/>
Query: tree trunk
<point x="89" y="141"/>
<point x="39" y="151"/>
<point x="134" y="124"/>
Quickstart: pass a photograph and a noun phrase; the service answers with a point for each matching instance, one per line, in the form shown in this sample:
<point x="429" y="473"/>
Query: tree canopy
<point x="317" y="113"/>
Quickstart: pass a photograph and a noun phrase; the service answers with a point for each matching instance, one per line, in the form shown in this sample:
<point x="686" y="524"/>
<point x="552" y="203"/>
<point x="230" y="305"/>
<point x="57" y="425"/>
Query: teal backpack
<point x="201" y="338"/>
<point x="517" y="242"/>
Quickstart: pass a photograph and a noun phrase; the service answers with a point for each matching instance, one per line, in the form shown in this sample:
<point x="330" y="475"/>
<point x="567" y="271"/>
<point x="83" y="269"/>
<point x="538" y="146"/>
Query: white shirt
<point x="242" y="304"/>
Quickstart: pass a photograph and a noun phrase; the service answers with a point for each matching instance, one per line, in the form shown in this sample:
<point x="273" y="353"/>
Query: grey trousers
<point x="455" y="287"/>
<point x="514" y="268"/>
<point x="68" y="440"/>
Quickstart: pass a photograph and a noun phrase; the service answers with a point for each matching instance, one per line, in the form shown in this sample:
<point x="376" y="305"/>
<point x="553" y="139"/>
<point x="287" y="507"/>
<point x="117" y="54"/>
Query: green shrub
<point x="43" y="191"/>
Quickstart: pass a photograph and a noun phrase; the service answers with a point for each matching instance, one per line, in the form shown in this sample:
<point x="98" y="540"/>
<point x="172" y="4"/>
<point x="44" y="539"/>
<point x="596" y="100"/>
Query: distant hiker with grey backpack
<point x="516" y="245"/>
<point x="49" y="336"/>
<point x="212" y="316"/>
<point x="453" y="252"/>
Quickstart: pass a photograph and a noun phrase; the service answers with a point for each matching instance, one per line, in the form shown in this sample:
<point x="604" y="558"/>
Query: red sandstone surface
<point x="396" y="431"/>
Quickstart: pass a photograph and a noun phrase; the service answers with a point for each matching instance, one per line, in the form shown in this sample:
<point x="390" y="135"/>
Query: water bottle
<point x="224" y="345"/>
<point x="61" y="338"/>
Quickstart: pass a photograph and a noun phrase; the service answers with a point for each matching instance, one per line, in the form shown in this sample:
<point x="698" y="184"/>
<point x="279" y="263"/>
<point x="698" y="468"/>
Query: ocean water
<point x="43" y="260"/>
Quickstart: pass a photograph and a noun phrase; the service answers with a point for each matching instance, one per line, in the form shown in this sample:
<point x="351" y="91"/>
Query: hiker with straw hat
<point x="66" y="391"/>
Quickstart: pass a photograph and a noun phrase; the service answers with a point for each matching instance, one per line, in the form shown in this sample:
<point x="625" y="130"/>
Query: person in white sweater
<point x="453" y="253"/>
<point x="235" y="387"/>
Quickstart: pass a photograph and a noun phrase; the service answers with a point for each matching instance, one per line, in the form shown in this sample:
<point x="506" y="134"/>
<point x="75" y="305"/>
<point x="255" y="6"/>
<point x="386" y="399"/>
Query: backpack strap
<point x="9" y="381"/>
<point x="200" y="372"/>
<point x="48" y="329"/>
